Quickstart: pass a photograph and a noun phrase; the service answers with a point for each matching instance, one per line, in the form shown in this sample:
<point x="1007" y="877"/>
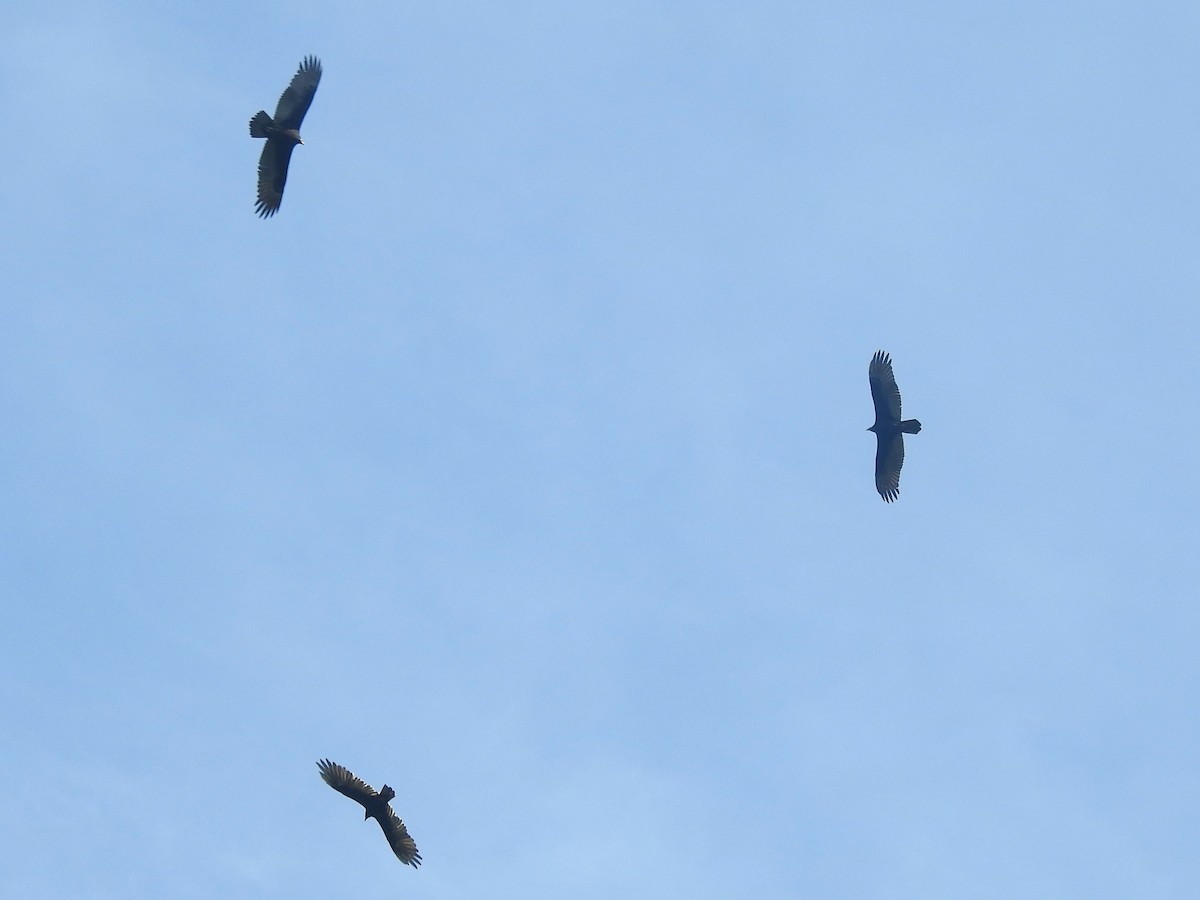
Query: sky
<point x="520" y="461"/>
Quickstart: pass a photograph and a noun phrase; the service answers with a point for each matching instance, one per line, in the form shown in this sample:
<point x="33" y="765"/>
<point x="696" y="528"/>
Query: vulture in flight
<point x="889" y="430"/>
<point x="376" y="805"/>
<point x="282" y="134"/>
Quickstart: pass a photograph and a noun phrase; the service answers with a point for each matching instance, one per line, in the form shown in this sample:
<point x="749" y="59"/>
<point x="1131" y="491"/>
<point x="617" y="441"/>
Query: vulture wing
<point x="884" y="392"/>
<point x="272" y="176"/>
<point x="346" y="782"/>
<point x="294" y="102"/>
<point x="399" y="840"/>
<point x="889" y="457"/>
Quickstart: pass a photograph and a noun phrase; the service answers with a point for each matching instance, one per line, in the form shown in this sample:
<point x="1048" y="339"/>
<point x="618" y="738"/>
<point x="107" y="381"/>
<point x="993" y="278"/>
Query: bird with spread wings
<point x="376" y="805"/>
<point x="889" y="429"/>
<point x="283" y="134"/>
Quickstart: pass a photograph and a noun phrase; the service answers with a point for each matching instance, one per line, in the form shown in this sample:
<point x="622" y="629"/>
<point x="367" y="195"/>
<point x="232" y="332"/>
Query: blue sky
<point x="520" y="462"/>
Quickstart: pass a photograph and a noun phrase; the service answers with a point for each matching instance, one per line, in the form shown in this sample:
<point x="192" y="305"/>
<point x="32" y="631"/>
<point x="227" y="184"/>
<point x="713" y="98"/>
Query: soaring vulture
<point x="889" y="430"/>
<point x="282" y="134"/>
<point x="376" y="805"/>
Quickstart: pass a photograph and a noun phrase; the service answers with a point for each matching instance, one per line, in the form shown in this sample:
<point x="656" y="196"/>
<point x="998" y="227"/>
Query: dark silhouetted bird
<point x="889" y="430"/>
<point x="376" y="805"/>
<point x="282" y="134"/>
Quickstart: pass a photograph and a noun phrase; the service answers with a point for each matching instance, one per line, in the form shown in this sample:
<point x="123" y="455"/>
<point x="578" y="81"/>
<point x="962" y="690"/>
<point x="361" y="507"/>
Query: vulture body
<point x="376" y="805"/>
<point x="889" y="429"/>
<point x="283" y="134"/>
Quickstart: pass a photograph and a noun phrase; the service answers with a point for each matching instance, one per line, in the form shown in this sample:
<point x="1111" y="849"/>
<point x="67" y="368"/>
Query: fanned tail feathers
<point x="260" y="123"/>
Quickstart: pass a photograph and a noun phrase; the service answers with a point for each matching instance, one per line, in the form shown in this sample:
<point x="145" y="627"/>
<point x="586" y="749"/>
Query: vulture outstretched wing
<point x="884" y="391"/>
<point x="889" y="457"/>
<point x="272" y="176"/>
<point x="295" y="101"/>
<point x="376" y="805"/>
<point x="346" y="782"/>
<point x="399" y="839"/>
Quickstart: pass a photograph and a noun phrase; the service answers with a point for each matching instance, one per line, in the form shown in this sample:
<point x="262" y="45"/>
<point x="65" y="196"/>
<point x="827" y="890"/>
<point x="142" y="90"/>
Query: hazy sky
<point x="520" y="462"/>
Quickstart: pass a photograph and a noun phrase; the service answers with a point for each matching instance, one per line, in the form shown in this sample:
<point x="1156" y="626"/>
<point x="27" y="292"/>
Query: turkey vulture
<point x="889" y="430"/>
<point x="345" y="782"/>
<point x="282" y="134"/>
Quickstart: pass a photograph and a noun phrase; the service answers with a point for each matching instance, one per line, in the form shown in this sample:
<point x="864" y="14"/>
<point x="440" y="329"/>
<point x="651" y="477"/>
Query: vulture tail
<point x="910" y="426"/>
<point x="386" y="794"/>
<point x="260" y="123"/>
